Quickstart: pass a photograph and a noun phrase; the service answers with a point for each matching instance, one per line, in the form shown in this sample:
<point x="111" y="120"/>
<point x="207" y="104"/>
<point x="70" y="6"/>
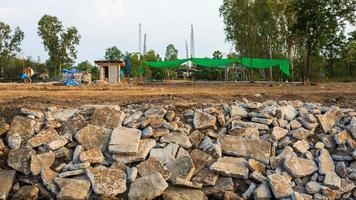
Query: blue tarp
<point x="71" y="82"/>
<point x="70" y="71"/>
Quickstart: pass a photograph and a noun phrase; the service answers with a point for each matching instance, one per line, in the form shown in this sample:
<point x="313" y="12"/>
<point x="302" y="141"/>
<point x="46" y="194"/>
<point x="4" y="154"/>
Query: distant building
<point x="110" y="70"/>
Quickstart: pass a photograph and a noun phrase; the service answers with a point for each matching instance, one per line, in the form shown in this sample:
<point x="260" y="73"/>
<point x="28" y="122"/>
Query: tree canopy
<point x="60" y="43"/>
<point x="10" y="42"/>
<point x="114" y="54"/>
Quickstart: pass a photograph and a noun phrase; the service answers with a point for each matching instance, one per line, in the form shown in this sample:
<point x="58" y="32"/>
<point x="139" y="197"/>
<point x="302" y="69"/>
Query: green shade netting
<point x="208" y="62"/>
<point x="166" y="64"/>
<point x="255" y="63"/>
<point x="258" y="63"/>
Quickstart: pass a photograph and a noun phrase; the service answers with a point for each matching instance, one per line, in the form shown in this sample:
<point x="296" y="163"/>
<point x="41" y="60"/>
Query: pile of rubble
<point x="248" y="150"/>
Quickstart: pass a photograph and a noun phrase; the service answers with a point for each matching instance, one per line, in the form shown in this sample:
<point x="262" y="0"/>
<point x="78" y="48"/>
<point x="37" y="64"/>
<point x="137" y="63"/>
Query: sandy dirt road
<point x="15" y="95"/>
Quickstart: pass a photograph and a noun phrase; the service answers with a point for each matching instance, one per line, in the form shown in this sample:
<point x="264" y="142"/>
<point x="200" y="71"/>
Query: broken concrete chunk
<point x="19" y="159"/>
<point x="263" y="192"/>
<point x="238" y="111"/>
<point x="72" y="188"/>
<point x="45" y="136"/>
<point x="206" y="177"/>
<point x="144" y="148"/>
<point x="151" y="166"/>
<point x="93" y="136"/>
<point x="200" y="159"/>
<point x="175" y="193"/>
<point x="243" y="124"/>
<point x="300" y="167"/>
<point x="278" y="133"/>
<point x="280" y="186"/>
<point x="325" y="162"/>
<point x="108" y="182"/>
<point x="22" y="126"/>
<point x="27" y="192"/>
<point x="332" y="180"/>
<point x="179" y="138"/>
<point x="125" y="141"/>
<point x="4" y="127"/>
<point x="203" y="120"/>
<point x="7" y="178"/>
<point x="250" y="148"/>
<point x="93" y="155"/>
<point x="107" y="117"/>
<point x="231" y="166"/>
<point x="148" y="187"/>
<point x="166" y="154"/>
<point x="41" y="161"/>
<point x="329" y="119"/>
<point x="182" y="167"/>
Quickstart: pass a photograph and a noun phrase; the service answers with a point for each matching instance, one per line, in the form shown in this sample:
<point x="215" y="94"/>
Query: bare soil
<point x="16" y="95"/>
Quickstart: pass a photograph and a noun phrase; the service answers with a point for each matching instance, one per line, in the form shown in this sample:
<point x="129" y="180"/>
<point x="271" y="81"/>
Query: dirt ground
<point x="15" y="95"/>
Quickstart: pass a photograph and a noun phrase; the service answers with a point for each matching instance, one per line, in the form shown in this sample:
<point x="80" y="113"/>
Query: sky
<point x="106" y="23"/>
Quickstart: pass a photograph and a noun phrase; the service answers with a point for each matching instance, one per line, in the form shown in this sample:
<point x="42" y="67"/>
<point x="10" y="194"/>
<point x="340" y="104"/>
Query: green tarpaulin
<point x="255" y="63"/>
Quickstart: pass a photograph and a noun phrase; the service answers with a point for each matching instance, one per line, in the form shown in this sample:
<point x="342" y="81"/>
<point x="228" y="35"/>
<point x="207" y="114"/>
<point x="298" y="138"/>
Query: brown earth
<point x="15" y="95"/>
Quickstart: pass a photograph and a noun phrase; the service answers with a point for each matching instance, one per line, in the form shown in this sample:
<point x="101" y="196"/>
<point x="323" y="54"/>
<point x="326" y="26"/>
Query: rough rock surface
<point x="245" y="150"/>
<point x="148" y="187"/>
<point x="109" y="182"/>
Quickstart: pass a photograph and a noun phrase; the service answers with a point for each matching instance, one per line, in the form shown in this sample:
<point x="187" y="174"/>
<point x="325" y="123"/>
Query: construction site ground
<point x="16" y="95"/>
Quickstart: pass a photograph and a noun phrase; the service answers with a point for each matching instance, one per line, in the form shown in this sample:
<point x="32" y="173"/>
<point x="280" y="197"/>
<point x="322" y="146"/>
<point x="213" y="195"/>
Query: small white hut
<point x="110" y="70"/>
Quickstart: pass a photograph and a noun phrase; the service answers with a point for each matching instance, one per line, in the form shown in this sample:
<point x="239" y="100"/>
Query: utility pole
<point x="139" y="38"/>
<point x="144" y="45"/>
<point x="192" y="45"/>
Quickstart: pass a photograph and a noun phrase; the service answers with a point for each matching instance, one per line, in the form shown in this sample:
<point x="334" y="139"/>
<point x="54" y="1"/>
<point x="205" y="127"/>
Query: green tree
<point x="171" y="53"/>
<point x="87" y="66"/>
<point x="113" y="54"/>
<point x="60" y="43"/>
<point x="217" y="54"/>
<point x="10" y="42"/>
<point x="316" y="21"/>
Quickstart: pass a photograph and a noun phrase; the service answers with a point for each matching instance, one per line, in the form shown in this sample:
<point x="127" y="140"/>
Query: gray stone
<point x="125" y="141"/>
<point x="155" y="112"/>
<point x="45" y="136"/>
<point x="107" y="117"/>
<point x="72" y="126"/>
<point x="62" y="115"/>
<point x="4" y="127"/>
<point x="174" y="193"/>
<point x="7" y="178"/>
<point x="262" y="120"/>
<point x="170" y="115"/>
<point x="243" y="124"/>
<point x="252" y="133"/>
<point x="144" y="148"/>
<point x="289" y="112"/>
<point x="186" y="183"/>
<point x="238" y="111"/>
<point x="71" y="173"/>
<point x="56" y="143"/>
<point x="300" y="167"/>
<point x="263" y="192"/>
<point x="19" y="159"/>
<point x="41" y="161"/>
<point x="22" y="126"/>
<point x="200" y="159"/>
<point x="47" y="177"/>
<point x="325" y="162"/>
<point x="342" y="137"/>
<point x="250" y="148"/>
<point x="329" y="119"/>
<point x="211" y="148"/>
<point x="312" y="187"/>
<point x="231" y="166"/>
<point x="14" y="141"/>
<point x="93" y="136"/>
<point x="166" y="154"/>
<point x="203" y="120"/>
<point x="300" y="133"/>
<point x="151" y="166"/>
<point x="27" y="192"/>
<point x="108" y="182"/>
<point x="179" y="138"/>
<point x="132" y="174"/>
<point x="278" y="133"/>
<point x="206" y="177"/>
<point x="195" y="138"/>
<point x="301" y="146"/>
<point x="332" y="180"/>
<point x="181" y="167"/>
<point x="222" y="185"/>
<point x="132" y="118"/>
<point x="148" y="187"/>
<point x="72" y="188"/>
<point x="280" y="186"/>
<point x="147" y="132"/>
<point x="93" y="155"/>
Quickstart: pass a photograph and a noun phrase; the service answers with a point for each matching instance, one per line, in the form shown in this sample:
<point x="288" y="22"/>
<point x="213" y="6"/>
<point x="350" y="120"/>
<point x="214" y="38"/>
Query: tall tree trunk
<point x="308" y="58"/>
